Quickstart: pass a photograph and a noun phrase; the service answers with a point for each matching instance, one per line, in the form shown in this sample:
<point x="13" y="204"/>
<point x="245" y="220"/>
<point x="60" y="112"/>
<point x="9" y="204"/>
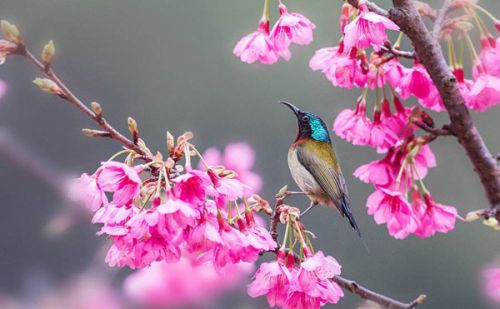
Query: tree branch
<point x="380" y="299"/>
<point x="430" y="55"/>
<point x="71" y="98"/>
<point x="346" y="284"/>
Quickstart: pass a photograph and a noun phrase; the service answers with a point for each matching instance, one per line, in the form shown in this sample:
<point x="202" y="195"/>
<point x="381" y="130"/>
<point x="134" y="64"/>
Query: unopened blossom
<point x="367" y="30"/>
<point x="183" y="284"/>
<point x="49" y="86"/>
<point x="491" y="283"/>
<point x="6" y="48"/>
<point x="312" y="286"/>
<point x="121" y="179"/>
<point x="86" y="191"/>
<point x="389" y="206"/>
<point x="238" y="157"/>
<point x="272" y="279"/>
<point x="432" y="217"/>
<point x="258" y="46"/>
<point x="342" y="70"/>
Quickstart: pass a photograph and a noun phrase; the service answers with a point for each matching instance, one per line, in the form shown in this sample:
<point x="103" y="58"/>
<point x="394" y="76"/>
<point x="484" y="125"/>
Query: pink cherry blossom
<point x="341" y="70"/>
<point x="417" y="82"/>
<point x="393" y="71"/>
<point x="257" y="235"/>
<point x="484" y="93"/>
<point x="395" y="124"/>
<point x="433" y="217"/>
<point x="192" y="186"/>
<point x="353" y="125"/>
<point x="239" y="157"/>
<point x="488" y="59"/>
<point x="291" y="28"/>
<point x="367" y="30"/>
<point x="121" y="179"/>
<point x="424" y="159"/>
<point x="311" y="286"/>
<point x="491" y="283"/>
<point x="380" y="172"/>
<point x="225" y="189"/>
<point x="389" y="206"/>
<point x="258" y="46"/>
<point x="273" y="280"/>
<point x="179" y="214"/>
<point x="183" y="284"/>
<point x="85" y="190"/>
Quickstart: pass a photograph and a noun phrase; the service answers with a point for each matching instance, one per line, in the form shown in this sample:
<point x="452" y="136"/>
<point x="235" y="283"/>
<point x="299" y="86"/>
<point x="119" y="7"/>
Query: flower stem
<point x="119" y="153"/>
<point x="485" y="12"/>
<point x="265" y="11"/>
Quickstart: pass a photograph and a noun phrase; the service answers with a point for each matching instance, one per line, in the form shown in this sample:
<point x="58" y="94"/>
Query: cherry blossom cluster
<point x="401" y="199"/>
<point x="162" y="210"/>
<point x="292" y="280"/>
<point x="268" y="46"/>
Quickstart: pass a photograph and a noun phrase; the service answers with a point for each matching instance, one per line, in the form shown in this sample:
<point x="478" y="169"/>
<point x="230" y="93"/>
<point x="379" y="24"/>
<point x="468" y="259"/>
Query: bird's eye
<point x="305" y="118"/>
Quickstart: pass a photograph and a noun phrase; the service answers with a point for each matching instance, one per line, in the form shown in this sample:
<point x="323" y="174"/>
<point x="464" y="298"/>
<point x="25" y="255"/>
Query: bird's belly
<point x="305" y="180"/>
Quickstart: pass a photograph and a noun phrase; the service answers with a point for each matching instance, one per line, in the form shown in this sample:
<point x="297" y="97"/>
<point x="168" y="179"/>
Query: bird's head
<point x="310" y="125"/>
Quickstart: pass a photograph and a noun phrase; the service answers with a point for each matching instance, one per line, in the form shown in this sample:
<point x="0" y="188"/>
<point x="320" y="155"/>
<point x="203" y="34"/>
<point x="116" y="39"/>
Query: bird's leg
<point x="308" y="208"/>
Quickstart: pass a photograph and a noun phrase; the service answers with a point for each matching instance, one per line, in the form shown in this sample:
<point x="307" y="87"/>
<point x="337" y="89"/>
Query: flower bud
<point x="493" y="223"/>
<point x="282" y="192"/>
<point x="6" y="48"/>
<point x="95" y="133"/>
<point x="46" y="85"/>
<point x="170" y="142"/>
<point x="96" y="108"/>
<point x="11" y="32"/>
<point x="132" y="127"/>
<point x="473" y="216"/>
<point x="48" y="52"/>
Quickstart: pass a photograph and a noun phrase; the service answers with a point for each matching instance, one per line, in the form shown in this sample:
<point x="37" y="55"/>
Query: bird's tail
<point x="346" y="211"/>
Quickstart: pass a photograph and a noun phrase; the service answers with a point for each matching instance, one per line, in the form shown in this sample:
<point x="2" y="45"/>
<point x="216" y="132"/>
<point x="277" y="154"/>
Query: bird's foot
<point x="307" y="210"/>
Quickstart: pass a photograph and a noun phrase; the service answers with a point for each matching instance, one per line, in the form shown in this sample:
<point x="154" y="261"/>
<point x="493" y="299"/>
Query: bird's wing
<point x="320" y="160"/>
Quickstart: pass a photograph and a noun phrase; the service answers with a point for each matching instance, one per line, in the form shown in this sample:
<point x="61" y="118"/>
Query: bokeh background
<point x="169" y="65"/>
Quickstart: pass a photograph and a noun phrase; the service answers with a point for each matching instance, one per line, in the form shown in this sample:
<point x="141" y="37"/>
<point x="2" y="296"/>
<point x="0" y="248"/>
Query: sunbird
<point x="314" y="165"/>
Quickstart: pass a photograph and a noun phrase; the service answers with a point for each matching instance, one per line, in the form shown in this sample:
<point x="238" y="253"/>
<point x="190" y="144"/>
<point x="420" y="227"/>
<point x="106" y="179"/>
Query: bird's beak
<point x="294" y="108"/>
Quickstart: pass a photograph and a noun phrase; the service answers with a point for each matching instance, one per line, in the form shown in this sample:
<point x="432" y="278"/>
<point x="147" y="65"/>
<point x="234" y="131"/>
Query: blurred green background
<point x="169" y="64"/>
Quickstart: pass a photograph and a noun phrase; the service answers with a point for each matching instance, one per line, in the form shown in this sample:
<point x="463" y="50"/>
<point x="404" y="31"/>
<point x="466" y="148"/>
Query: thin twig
<point x="71" y="98"/>
<point x="443" y="131"/>
<point x="380" y="299"/>
<point x="399" y="53"/>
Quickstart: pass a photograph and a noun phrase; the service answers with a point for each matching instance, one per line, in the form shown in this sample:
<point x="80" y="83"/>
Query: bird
<point x="314" y="165"/>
